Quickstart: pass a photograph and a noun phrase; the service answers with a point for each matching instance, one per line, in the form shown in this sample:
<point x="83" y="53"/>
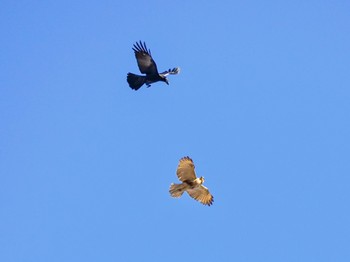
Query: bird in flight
<point x="147" y="66"/>
<point x="190" y="183"/>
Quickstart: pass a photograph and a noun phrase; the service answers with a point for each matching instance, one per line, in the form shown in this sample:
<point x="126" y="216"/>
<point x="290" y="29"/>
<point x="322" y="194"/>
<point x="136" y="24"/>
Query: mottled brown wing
<point x="201" y="194"/>
<point x="185" y="169"/>
<point x="144" y="59"/>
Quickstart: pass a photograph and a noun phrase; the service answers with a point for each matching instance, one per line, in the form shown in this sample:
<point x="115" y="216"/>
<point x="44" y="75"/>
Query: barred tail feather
<point x="176" y="190"/>
<point x="135" y="81"/>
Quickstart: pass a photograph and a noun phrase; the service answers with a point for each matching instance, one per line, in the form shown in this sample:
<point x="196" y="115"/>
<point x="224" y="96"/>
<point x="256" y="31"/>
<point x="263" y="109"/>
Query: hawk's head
<point x="201" y="179"/>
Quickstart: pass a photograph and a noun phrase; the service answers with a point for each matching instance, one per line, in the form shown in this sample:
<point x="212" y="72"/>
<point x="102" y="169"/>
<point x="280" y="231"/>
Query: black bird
<point x="147" y="66"/>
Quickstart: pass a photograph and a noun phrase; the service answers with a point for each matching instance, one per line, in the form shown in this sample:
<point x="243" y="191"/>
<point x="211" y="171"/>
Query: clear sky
<point x="262" y="105"/>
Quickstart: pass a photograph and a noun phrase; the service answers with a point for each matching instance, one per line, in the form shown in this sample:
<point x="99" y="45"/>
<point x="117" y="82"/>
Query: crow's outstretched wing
<point x="173" y="71"/>
<point x="144" y="59"/>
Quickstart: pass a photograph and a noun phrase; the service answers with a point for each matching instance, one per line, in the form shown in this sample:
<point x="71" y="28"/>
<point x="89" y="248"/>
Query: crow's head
<point x="164" y="79"/>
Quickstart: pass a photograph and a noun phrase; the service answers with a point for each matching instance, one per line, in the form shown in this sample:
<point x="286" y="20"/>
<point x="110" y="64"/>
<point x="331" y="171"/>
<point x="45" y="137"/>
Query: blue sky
<point x="261" y="105"/>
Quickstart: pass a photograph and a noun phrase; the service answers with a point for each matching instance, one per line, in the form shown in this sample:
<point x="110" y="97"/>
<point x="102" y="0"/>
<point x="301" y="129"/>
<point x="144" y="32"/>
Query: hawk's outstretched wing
<point x="144" y="59"/>
<point x="185" y="170"/>
<point x="201" y="194"/>
<point x="173" y="71"/>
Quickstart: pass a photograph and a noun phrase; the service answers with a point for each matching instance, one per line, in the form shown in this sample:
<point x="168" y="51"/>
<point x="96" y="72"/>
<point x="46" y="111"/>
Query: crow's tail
<point x="135" y="81"/>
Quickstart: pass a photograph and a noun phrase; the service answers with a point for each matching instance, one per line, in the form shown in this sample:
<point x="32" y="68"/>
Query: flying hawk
<point x="147" y="66"/>
<point x="190" y="183"/>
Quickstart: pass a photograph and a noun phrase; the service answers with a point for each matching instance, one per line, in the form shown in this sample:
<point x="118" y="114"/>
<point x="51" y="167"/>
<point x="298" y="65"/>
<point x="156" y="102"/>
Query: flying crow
<point x="147" y="66"/>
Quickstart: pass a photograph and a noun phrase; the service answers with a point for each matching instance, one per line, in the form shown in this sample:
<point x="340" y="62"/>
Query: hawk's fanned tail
<point x="176" y="190"/>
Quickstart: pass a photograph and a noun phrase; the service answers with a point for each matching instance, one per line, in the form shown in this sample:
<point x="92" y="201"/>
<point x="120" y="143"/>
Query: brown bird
<point x="190" y="183"/>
